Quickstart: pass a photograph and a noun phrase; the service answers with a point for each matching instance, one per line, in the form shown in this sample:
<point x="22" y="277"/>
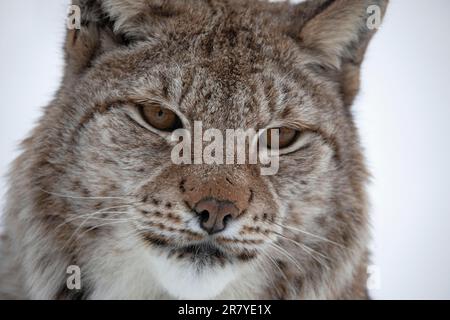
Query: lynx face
<point x="204" y="217"/>
<point x="107" y="186"/>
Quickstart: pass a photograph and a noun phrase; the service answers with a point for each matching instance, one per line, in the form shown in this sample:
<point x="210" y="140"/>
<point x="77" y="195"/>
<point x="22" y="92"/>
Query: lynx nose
<point x="215" y="214"/>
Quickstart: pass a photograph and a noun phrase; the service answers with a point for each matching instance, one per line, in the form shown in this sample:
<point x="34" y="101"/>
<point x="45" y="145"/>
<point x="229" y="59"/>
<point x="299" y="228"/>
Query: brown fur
<point x="232" y="64"/>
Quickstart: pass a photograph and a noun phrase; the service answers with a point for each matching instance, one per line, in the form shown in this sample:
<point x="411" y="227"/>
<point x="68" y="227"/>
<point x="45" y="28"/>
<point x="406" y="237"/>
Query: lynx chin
<point x="95" y="186"/>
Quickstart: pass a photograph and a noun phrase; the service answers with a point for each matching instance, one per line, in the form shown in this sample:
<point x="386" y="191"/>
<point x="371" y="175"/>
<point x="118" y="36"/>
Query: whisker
<point x="102" y="225"/>
<point x="308" y="251"/>
<point x="133" y="233"/>
<point x="303" y="246"/>
<point x="82" y="224"/>
<point x="83" y="198"/>
<point x="104" y="210"/>
<point x="286" y="254"/>
<point x="112" y="219"/>
<point x="306" y="233"/>
<point x="276" y="265"/>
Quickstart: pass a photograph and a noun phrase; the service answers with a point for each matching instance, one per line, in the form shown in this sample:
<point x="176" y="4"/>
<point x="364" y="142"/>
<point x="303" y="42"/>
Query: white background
<point x="403" y="112"/>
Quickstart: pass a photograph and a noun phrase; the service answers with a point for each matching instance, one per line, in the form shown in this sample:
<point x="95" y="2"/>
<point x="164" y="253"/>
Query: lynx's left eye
<point x="287" y="136"/>
<point x="161" y="118"/>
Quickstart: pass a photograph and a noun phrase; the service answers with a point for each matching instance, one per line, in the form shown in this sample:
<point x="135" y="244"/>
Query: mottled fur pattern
<point x="94" y="187"/>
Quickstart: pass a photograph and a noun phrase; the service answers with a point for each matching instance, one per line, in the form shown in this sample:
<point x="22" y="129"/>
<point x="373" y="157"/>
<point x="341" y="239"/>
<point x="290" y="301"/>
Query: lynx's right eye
<point x="160" y="118"/>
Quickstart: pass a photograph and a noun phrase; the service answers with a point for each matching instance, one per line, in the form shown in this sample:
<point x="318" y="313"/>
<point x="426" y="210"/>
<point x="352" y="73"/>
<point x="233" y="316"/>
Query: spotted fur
<point x="96" y="189"/>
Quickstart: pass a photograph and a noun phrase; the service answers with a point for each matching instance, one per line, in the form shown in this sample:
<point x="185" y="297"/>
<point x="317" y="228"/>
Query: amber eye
<point x="287" y="136"/>
<point x="161" y="118"/>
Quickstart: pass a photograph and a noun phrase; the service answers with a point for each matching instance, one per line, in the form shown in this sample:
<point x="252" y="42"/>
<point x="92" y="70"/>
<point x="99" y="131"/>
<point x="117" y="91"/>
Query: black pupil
<point x="160" y="113"/>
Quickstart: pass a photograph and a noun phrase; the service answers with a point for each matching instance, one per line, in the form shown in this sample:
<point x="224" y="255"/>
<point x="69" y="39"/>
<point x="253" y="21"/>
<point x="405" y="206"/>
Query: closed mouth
<point x="209" y="253"/>
<point x="202" y="253"/>
<point x="201" y="250"/>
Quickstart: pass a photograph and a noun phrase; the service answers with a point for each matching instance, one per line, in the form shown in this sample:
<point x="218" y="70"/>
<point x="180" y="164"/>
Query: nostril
<point x="204" y="216"/>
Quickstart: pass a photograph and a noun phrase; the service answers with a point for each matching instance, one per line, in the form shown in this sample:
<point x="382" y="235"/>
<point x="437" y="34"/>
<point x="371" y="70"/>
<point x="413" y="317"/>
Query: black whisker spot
<point x="181" y="186"/>
<point x="155" y="240"/>
<point x="246" y="256"/>
<point x="162" y="226"/>
<point x="187" y="205"/>
<point x="250" y="199"/>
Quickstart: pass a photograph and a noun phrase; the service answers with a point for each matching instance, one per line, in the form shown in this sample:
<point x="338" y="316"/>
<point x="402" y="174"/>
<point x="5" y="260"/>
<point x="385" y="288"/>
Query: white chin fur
<point x="184" y="280"/>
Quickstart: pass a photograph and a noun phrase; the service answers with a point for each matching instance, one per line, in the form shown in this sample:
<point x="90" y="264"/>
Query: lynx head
<point x="138" y="70"/>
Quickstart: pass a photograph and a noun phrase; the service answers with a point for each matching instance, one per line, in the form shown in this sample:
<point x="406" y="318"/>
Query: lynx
<point x="95" y="189"/>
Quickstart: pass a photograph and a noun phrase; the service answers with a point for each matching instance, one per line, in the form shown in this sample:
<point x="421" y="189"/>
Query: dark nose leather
<point x="215" y="214"/>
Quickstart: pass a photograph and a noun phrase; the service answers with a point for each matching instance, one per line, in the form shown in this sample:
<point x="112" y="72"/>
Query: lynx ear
<point x="106" y="24"/>
<point x="94" y="36"/>
<point x="338" y="31"/>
